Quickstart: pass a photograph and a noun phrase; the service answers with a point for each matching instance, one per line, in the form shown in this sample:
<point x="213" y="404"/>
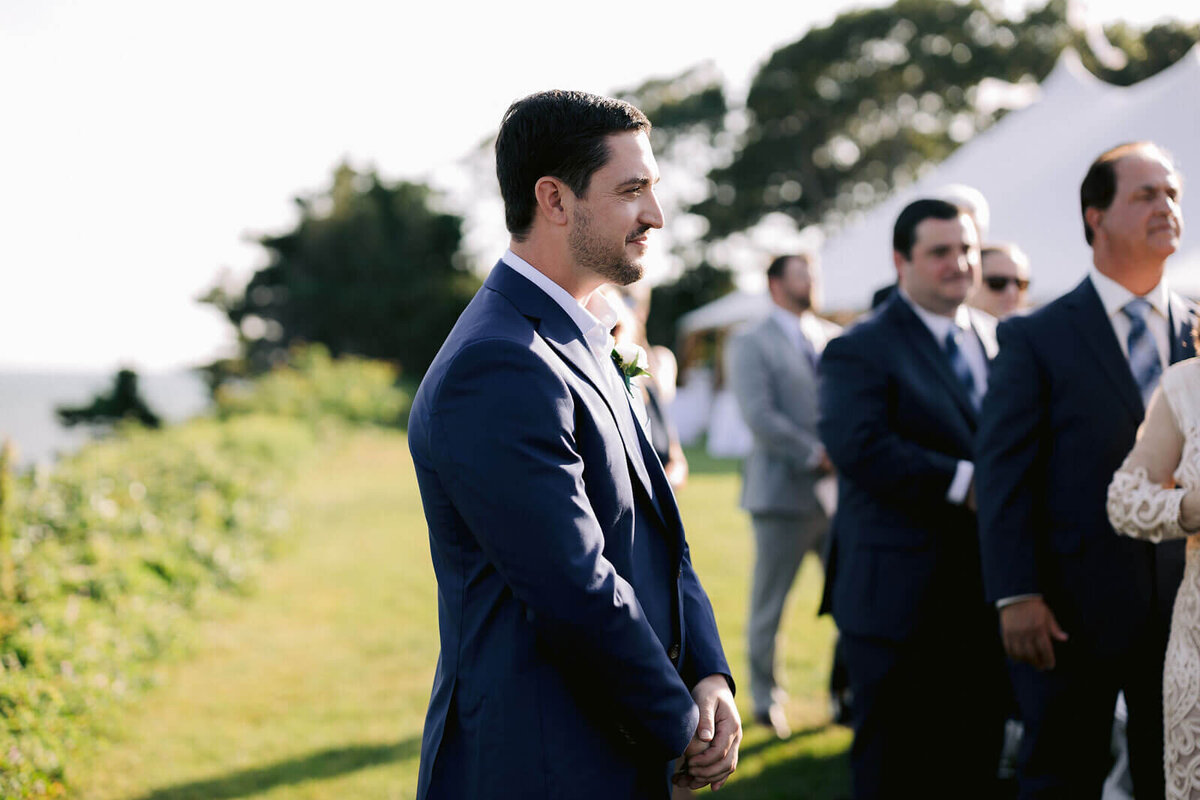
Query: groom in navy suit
<point x="899" y="399"/>
<point x="579" y="653"/>
<point x="1085" y="612"/>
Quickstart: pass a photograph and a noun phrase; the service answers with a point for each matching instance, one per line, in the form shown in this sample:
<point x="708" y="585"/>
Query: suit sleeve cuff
<point x="1016" y="598"/>
<point x="963" y="473"/>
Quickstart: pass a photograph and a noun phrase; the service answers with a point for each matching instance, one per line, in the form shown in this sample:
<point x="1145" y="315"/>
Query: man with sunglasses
<point x="1005" y="280"/>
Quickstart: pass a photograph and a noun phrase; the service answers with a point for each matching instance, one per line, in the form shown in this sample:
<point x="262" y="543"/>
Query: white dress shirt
<point x="1114" y="296"/>
<point x="806" y="324"/>
<point x="595" y="322"/>
<point x="973" y="353"/>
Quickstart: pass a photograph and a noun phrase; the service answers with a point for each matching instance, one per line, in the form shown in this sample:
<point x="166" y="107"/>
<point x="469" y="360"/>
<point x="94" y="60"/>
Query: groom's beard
<point x="590" y="251"/>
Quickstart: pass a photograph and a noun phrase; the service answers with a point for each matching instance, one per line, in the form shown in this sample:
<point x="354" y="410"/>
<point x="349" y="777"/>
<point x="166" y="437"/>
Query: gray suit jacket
<point x="776" y="390"/>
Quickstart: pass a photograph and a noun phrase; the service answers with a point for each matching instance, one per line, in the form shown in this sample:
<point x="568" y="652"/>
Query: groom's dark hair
<point x="557" y="133"/>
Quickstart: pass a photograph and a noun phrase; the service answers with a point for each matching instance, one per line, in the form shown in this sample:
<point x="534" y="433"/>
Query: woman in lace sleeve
<point x="1156" y="495"/>
<point x="1143" y="498"/>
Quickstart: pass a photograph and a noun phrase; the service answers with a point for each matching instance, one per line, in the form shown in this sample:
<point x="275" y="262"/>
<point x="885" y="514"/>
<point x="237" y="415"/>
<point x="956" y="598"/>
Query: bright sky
<point x="144" y="141"/>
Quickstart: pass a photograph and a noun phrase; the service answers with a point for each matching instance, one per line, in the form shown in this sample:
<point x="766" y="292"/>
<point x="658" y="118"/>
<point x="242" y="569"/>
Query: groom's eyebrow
<point x="639" y="180"/>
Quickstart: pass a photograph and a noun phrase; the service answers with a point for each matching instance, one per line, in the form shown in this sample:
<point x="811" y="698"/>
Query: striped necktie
<point x="959" y="365"/>
<point x="1144" y="360"/>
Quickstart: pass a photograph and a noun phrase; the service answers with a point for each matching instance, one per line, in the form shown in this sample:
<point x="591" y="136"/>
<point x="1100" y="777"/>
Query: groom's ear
<point x="553" y="197"/>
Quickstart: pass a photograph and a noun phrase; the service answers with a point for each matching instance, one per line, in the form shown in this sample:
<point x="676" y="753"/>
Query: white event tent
<point x="1029" y="166"/>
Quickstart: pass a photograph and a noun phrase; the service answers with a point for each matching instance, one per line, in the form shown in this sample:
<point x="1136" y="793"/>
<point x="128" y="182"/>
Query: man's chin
<point x="622" y="275"/>
<point x="627" y="273"/>
<point x="1165" y="247"/>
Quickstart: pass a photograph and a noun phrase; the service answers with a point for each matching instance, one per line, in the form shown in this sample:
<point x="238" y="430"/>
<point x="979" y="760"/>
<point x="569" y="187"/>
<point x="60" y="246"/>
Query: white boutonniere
<point x="631" y="362"/>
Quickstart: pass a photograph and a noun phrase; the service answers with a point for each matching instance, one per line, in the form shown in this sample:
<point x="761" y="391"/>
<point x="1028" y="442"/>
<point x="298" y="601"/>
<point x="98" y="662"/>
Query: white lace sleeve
<point x="1140" y="508"/>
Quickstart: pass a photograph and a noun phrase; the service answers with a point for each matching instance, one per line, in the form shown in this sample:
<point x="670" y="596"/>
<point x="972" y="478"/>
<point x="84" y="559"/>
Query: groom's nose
<point x="652" y="213"/>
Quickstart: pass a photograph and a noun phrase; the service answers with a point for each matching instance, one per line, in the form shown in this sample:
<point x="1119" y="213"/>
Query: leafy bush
<point x="103" y="559"/>
<point x="314" y="387"/>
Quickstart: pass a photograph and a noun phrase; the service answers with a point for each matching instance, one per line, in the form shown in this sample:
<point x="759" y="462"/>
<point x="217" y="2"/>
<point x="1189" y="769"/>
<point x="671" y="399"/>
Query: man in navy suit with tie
<point x="579" y="653"/>
<point x="899" y="397"/>
<point x="1085" y="612"/>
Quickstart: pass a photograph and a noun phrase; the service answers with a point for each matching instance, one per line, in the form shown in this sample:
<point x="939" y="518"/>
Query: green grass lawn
<point x="316" y="685"/>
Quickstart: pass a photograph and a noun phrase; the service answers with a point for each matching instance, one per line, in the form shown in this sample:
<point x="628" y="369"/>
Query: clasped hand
<point x="711" y="756"/>
<point x="1030" y="631"/>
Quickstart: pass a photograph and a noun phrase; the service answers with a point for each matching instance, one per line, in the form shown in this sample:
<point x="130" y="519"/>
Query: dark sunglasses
<point x="998" y="283"/>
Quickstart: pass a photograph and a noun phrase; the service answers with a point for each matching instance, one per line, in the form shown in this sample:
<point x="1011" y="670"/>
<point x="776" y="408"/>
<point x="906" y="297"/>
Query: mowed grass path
<point x="316" y="685"/>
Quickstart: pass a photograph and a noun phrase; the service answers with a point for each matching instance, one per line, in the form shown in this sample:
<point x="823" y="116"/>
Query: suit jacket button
<point x="673" y="653"/>
<point x="679" y="574"/>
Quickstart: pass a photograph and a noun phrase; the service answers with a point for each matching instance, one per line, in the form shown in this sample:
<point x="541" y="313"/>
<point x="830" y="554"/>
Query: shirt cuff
<point x="1016" y="598"/>
<point x="815" y="458"/>
<point x="963" y="473"/>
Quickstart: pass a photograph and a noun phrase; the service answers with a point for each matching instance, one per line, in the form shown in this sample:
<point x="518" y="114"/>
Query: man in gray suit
<point x="773" y="373"/>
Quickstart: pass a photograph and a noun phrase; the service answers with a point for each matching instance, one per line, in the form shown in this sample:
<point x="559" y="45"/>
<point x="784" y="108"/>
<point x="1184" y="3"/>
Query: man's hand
<point x="1030" y="630"/>
<point x="711" y="756"/>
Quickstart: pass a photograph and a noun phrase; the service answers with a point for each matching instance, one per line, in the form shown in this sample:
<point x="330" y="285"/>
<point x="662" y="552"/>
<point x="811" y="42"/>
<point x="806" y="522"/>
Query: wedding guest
<point x="773" y="373"/>
<point x="1004" y="287"/>
<point x="1084" y="612"/>
<point x="1155" y="495"/>
<point x="899" y="399"/>
<point x="967" y="198"/>
<point x="579" y="653"/>
<point x="658" y="385"/>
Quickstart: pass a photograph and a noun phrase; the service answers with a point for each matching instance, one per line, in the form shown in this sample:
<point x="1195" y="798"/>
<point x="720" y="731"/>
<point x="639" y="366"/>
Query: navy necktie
<point x="959" y="365"/>
<point x="1144" y="360"/>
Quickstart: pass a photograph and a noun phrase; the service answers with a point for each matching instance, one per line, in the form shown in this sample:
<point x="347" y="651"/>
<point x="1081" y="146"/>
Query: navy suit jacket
<point x="1061" y="414"/>
<point x="572" y="624"/>
<point x="896" y="422"/>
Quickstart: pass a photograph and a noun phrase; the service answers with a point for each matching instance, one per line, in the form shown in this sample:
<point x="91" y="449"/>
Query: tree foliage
<point x="669" y="301"/>
<point x="838" y="119"/>
<point x="370" y="269"/>
<point x="849" y="112"/>
<point x="122" y="403"/>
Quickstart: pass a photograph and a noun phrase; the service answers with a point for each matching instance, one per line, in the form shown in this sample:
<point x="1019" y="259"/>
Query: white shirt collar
<point x="1114" y="296"/>
<point x="595" y="322"/>
<point x="788" y="321"/>
<point x="805" y="323"/>
<point x="937" y="324"/>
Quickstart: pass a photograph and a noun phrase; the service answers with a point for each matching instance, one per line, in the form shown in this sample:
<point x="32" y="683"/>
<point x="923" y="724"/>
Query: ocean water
<point x="28" y="400"/>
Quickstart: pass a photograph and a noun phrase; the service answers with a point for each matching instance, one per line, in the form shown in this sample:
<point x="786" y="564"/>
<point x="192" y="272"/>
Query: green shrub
<point x="314" y="387"/>
<point x="107" y="556"/>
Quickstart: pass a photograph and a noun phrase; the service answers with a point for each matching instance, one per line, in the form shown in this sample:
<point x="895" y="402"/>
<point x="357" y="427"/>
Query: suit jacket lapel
<point x="564" y="337"/>
<point x="792" y="359"/>
<point x="1089" y="317"/>
<point x="1181" y="319"/>
<point x="664" y="495"/>
<point x="931" y="352"/>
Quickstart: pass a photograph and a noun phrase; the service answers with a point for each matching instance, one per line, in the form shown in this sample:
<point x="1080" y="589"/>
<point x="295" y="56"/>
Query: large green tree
<point x="370" y="269"/>
<point x="838" y="119"/>
<point x="851" y="111"/>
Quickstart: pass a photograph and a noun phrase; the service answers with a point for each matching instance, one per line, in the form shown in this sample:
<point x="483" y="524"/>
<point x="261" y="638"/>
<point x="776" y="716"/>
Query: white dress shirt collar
<point x="806" y="323"/>
<point x="970" y="346"/>
<point x="937" y="324"/>
<point x="595" y="321"/>
<point x="789" y="322"/>
<point x="1114" y="296"/>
